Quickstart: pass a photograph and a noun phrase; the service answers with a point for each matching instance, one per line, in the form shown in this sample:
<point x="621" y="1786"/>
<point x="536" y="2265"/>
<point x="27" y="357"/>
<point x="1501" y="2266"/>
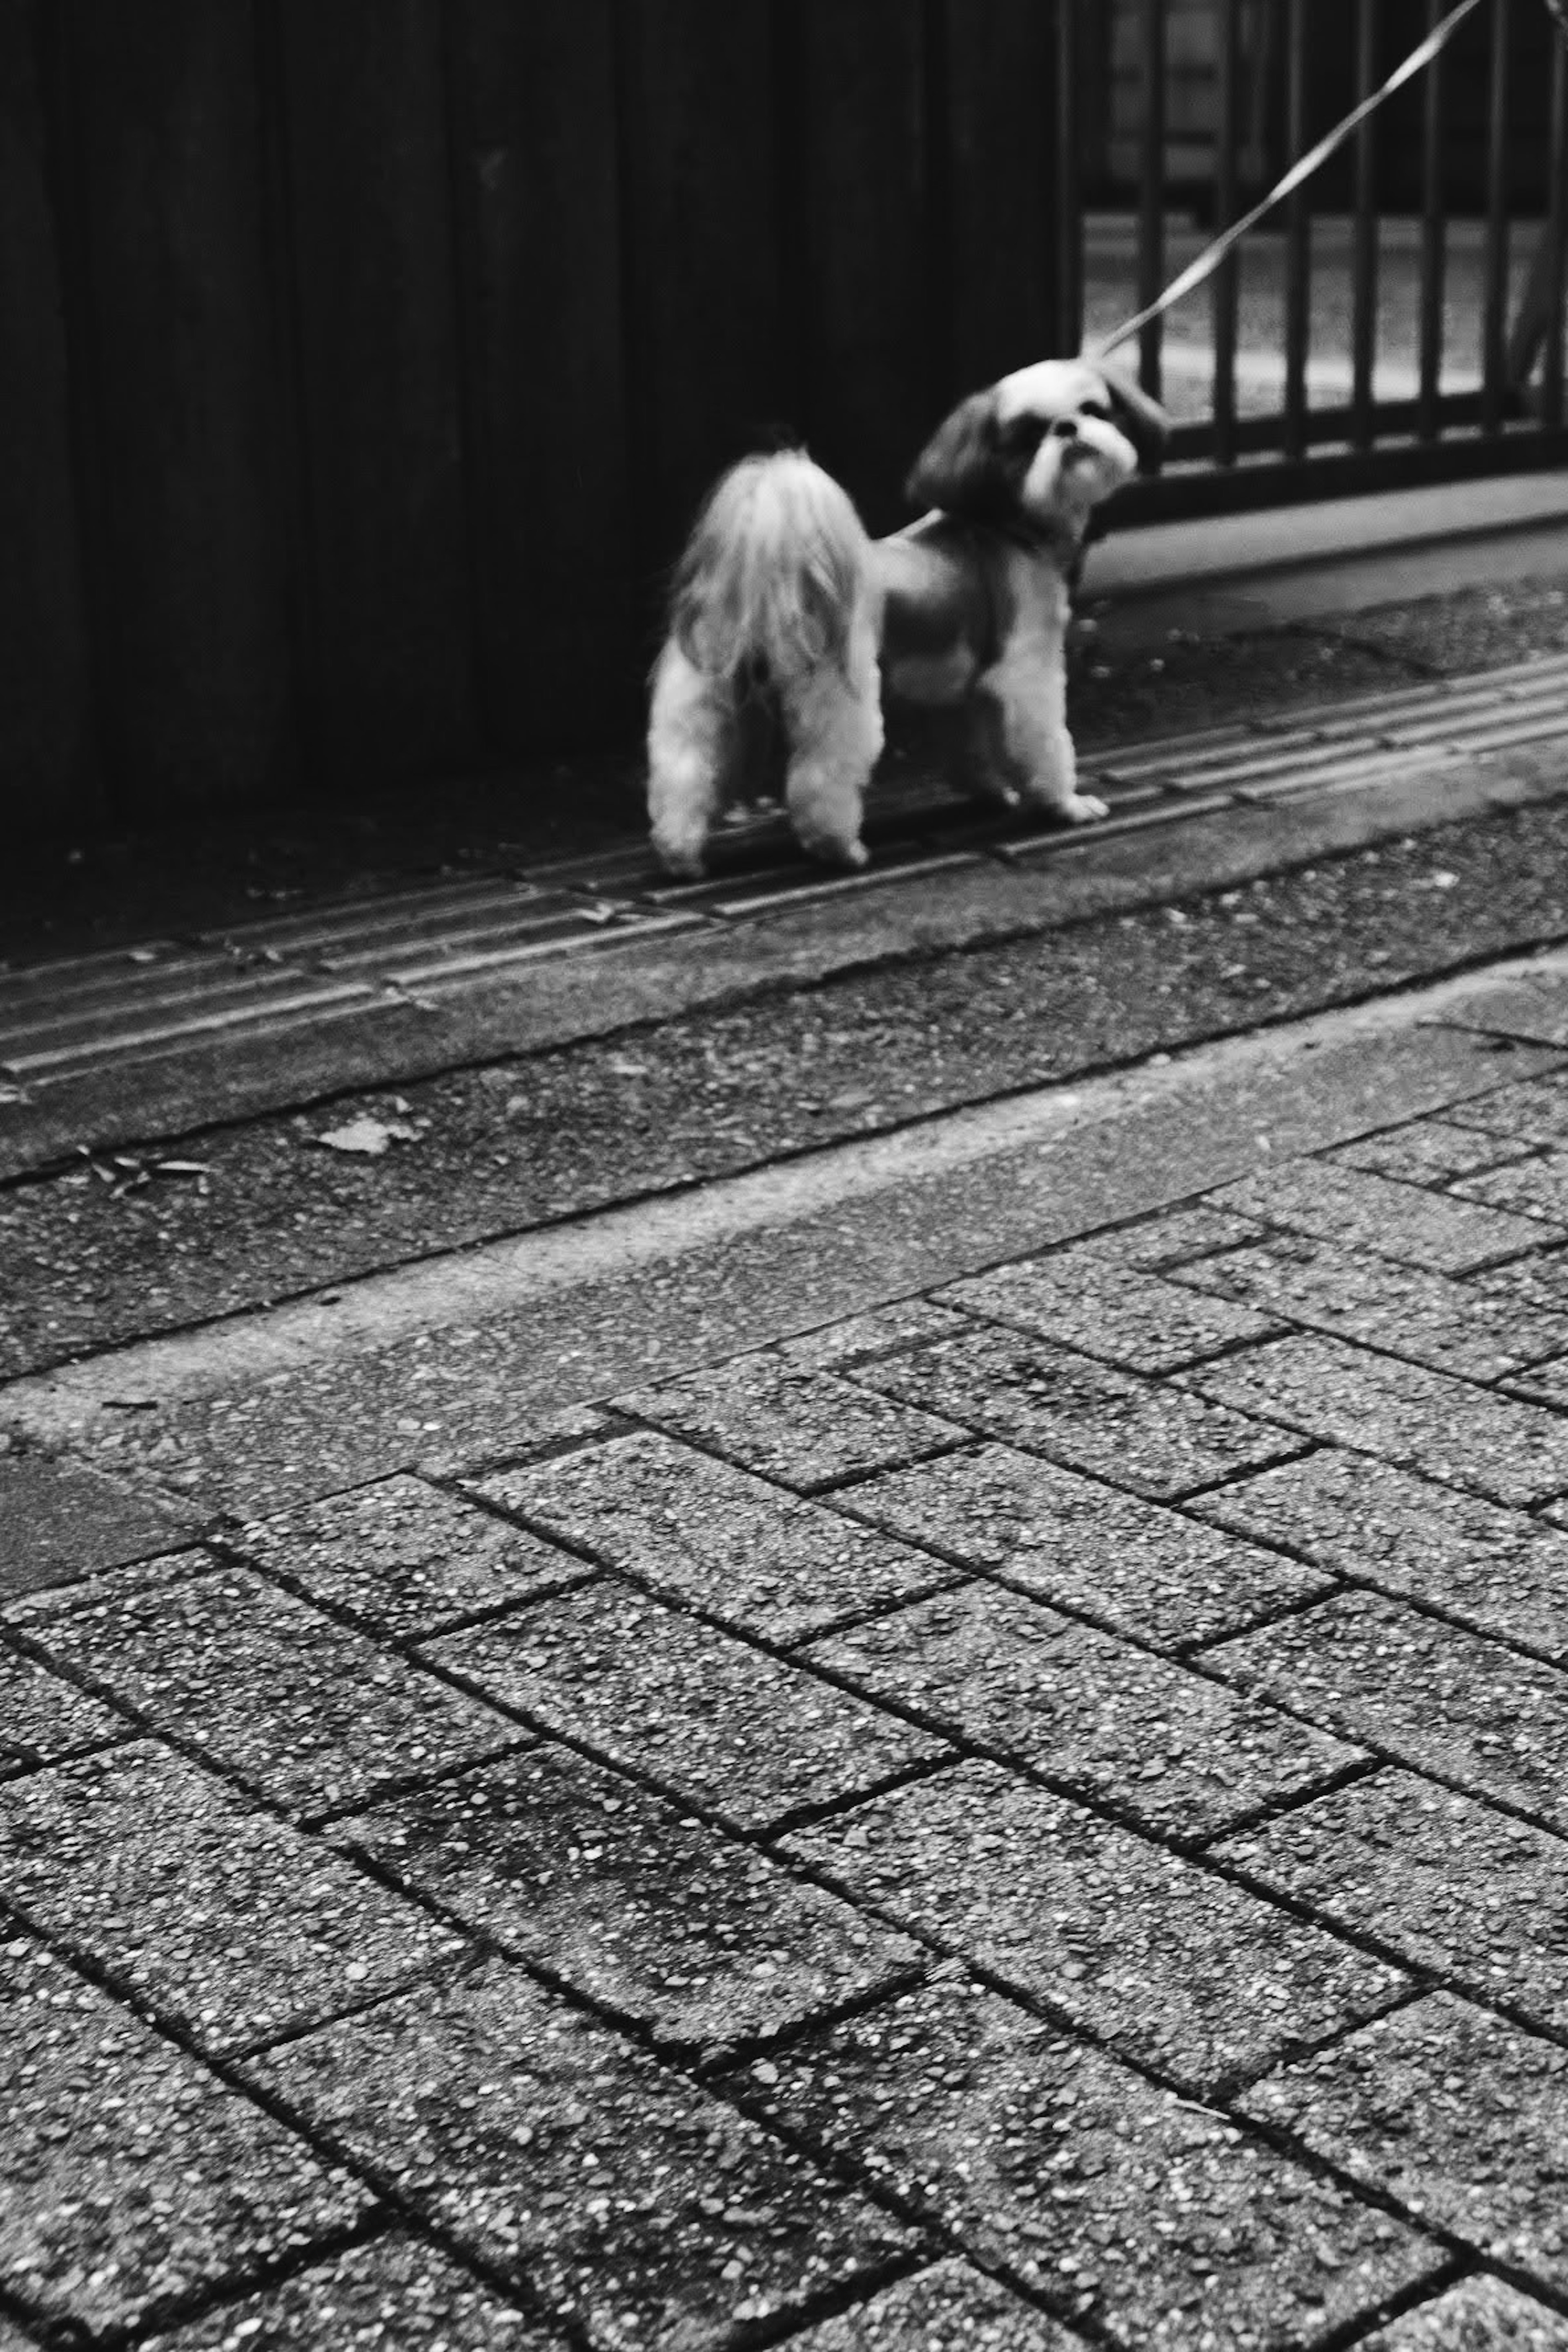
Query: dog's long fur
<point x="781" y="602"/>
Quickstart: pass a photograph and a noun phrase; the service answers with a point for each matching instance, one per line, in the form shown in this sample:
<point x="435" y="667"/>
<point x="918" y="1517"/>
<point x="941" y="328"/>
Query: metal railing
<point x="1287" y="388"/>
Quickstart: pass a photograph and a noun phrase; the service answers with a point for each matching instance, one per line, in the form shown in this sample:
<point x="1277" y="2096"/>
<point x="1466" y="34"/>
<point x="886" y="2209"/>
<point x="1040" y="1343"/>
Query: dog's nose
<point x="1066" y="428"/>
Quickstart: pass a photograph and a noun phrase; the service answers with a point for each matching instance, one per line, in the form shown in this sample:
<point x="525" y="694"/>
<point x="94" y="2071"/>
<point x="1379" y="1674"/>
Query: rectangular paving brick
<point x="694" y="1937"/>
<point x="1431" y="1697"/>
<point x="1419" y="1419"/>
<point x="744" y="1736"/>
<point x="393" y="2293"/>
<point x="1335" y="1203"/>
<point x="642" y="2210"/>
<point x="1166" y="1961"/>
<point x="1538" y="1283"/>
<point x="1455" y="1326"/>
<point x="1164" y="2228"/>
<point x="129" y="2176"/>
<point x="872" y="1334"/>
<point x="1542" y="1384"/>
<point x="1500" y="1572"/>
<point x="60" y="1520"/>
<point x="1534" y="1110"/>
<point x="718" y="1539"/>
<point x="1154" y="1245"/>
<point x="403" y="1558"/>
<point x="1536" y="1188"/>
<point x="949" y="2308"/>
<point x="1443" y="1882"/>
<point x="1158" y="1441"/>
<point x="1480" y="2315"/>
<point x="1134" y="1565"/>
<point x="1106" y="1720"/>
<point x="1461" y="2117"/>
<point x="1119" y="1312"/>
<point x="1429" y="1150"/>
<point x="804" y="1427"/>
<point x="313" y="1717"/>
<point x="42" y="1718"/>
<point x="226" y="1923"/>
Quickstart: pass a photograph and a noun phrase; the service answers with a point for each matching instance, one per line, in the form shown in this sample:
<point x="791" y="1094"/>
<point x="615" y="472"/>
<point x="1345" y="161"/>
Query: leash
<point x="1209" y="259"/>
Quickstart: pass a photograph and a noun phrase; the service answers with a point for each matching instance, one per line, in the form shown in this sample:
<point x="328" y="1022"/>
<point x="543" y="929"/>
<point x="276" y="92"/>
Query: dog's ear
<point x="1132" y="412"/>
<point x="958" y="469"/>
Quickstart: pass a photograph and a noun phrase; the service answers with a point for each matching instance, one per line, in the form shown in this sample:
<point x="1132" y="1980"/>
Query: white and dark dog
<point x="787" y="619"/>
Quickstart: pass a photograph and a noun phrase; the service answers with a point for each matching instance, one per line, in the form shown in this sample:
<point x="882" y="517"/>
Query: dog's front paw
<point x="1082" y="809"/>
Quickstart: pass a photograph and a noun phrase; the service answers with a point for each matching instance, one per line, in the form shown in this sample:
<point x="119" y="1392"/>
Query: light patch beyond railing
<point x="411" y="950"/>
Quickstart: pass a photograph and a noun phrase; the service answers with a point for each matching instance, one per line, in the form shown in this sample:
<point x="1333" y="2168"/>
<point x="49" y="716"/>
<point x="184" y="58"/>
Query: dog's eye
<point x="1100" y="408"/>
<point x="1024" y="434"/>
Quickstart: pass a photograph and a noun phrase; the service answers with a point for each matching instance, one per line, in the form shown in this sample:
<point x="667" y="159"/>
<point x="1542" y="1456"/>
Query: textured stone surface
<point x="43" y="1717"/>
<point x="1454" y="1327"/>
<point x="1534" y="1110"/>
<point x="744" y="1736"/>
<point x="403" y="1558"/>
<point x="1337" y="1203"/>
<point x="129" y="2175"/>
<point x="1443" y="1882"/>
<point x="1430" y="1150"/>
<point x="804" y="1427"/>
<point x="1495" y="1570"/>
<point x="948" y="2308"/>
<point x="1525" y="1188"/>
<point x="1140" y="1733"/>
<point x="392" y="2295"/>
<point x="1460" y="2117"/>
<point x="1420" y="1420"/>
<point x="1172" y="1964"/>
<point x="1162" y="2224"/>
<point x="690" y="1934"/>
<point x="639" y="2208"/>
<point x="1479" y="2314"/>
<point x="716" y="1538"/>
<point x="60" y="1520"/>
<point x="1159" y="1441"/>
<point x="223" y="1920"/>
<point x="1086" y="1300"/>
<point x="872" y="1334"/>
<point x="1136" y="1567"/>
<point x="1444" y="1701"/>
<point x="311" y="1716"/>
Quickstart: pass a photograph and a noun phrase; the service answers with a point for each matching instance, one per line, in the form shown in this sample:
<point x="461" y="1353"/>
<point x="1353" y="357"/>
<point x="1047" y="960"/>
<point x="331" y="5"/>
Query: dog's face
<point x="1043" y="446"/>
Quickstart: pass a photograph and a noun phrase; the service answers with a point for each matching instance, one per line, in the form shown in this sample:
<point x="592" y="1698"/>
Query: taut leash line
<point x="1209" y="260"/>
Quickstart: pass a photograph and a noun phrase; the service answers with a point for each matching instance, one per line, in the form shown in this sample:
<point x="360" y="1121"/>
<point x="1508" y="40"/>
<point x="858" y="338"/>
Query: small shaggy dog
<point x="785" y="616"/>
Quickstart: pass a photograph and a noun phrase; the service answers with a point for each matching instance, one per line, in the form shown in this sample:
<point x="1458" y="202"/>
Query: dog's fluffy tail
<point x="773" y="575"/>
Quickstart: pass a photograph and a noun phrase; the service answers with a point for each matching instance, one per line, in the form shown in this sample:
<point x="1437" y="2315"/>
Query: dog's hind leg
<point x="690" y="742"/>
<point x="833" y="720"/>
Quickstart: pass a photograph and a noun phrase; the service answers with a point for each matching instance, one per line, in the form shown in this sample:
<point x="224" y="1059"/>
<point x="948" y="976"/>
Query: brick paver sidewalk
<point x="1038" y="1816"/>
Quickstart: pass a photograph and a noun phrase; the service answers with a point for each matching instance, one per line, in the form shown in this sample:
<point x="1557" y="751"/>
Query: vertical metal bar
<point x="1070" y="201"/>
<point x="1227" y="27"/>
<point x="1298" y="237"/>
<point x="1152" y="208"/>
<point x="1433" y="240"/>
<point x="1364" y="257"/>
<point x="1551" y="366"/>
<point x="1494" y="288"/>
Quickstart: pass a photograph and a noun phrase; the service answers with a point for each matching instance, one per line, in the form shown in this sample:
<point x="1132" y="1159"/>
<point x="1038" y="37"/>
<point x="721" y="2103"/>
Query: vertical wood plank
<point x="855" y="183"/>
<point x="1001" y="65"/>
<point x="709" y="359"/>
<point x="44" y="761"/>
<point x="368" y="178"/>
<point x="189" y="592"/>
<point x="534" y="114"/>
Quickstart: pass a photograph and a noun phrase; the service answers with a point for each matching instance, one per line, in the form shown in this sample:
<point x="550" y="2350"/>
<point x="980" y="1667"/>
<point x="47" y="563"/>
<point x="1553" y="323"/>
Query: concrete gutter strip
<point x="1045" y="1164"/>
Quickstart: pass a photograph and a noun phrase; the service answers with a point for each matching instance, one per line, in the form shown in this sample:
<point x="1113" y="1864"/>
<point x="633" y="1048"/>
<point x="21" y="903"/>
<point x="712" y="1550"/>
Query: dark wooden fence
<point x="361" y="359"/>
